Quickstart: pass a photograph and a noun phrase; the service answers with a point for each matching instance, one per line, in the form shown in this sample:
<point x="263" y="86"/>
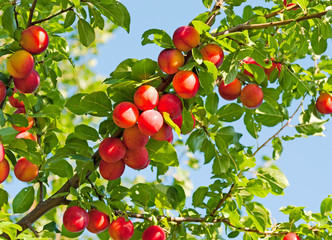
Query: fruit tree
<point x="75" y="144"/>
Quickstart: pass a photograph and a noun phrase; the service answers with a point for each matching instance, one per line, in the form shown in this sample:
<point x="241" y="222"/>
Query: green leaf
<point x="101" y="206"/>
<point x="97" y="104"/>
<point x="176" y="197"/>
<point x="61" y="168"/>
<point x="268" y="115"/>
<point x="187" y="121"/>
<point x="206" y="81"/>
<point x="258" y="187"/>
<point x="311" y="127"/>
<point x="26" y="148"/>
<point x="251" y="125"/>
<point x="230" y="112"/>
<point x="73" y="104"/>
<point x="209" y="150"/>
<point x="275" y="178"/>
<point x="195" y="140"/>
<point x="115" y="11"/>
<point x="23" y="200"/>
<point x="86" y="132"/>
<point x="277" y="148"/>
<point x="86" y="32"/>
<point x="318" y="43"/>
<point x="200" y="26"/>
<point x="326" y="206"/>
<point x="220" y="165"/>
<point x="303" y="4"/>
<point x="207" y="3"/>
<point x="199" y="195"/>
<point x="141" y="194"/>
<point x="3" y="197"/>
<point x="8" y="21"/>
<point x="163" y="152"/>
<point x="144" y="69"/>
<point x="211" y="103"/>
<point x="51" y="227"/>
<point x="160" y="37"/>
<point x="259" y="215"/>
<point x="70" y="19"/>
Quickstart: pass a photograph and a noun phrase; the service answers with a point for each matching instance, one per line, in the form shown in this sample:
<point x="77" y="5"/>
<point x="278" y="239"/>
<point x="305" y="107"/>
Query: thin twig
<point x="52" y="16"/>
<point x="214" y="11"/>
<point x="100" y="197"/>
<point x="34" y="231"/>
<point x="282" y="128"/>
<point x="32" y="9"/>
<point x="247" y="26"/>
<point x="223" y="200"/>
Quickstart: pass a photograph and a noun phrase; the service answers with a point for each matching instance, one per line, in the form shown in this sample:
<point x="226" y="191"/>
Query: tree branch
<point x="247" y="26"/>
<point x="223" y="200"/>
<point x="214" y="11"/>
<point x="52" y="16"/>
<point x="282" y="128"/>
<point x="32" y="9"/>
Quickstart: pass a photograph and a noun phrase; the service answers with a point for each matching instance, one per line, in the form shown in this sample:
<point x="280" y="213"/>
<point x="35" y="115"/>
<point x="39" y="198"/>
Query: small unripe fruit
<point x="186" y="38"/>
<point x="133" y="138"/>
<point x="120" y="229"/>
<point x="186" y="84"/>
<point x="20" y="64"/>
<point x="4" y="170"/>
<point x="111" y="171"/>
<point x="230" y="91"/>
<point x="291" y="236"/>
<point x="28" y="84"/>
<point x="146" y="97"/>
<point x="169" y="60"/>
<point x="111" y="149"/>
<point x="75" y="219"/>
<point x="25" y="171"/>
<point x="150" y="122"/>
<point x="34" y="39"/>
<point x="30" y="121"/>
<point x="251" y="96"/>
<point x="137" y="158"/>
<point x="26" y="135"/>
<point x="125" y="114"/>
<point x="171" y="104"/>
<point x="154" y="233"/>
<point x="14" y="101"/>
<point x="98" y="221"/>
<point x="3" y="91"/>
<point x="163" y="133"/>
<point x="213" y="53"/>
<point x="324" y="103"/>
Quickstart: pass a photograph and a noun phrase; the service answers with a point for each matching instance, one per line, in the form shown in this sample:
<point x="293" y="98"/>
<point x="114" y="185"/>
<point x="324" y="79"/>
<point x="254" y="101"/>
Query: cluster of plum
<point x="76" y="219"/>
<point x="144" y="117"/>
<point x="20" y="65"/>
